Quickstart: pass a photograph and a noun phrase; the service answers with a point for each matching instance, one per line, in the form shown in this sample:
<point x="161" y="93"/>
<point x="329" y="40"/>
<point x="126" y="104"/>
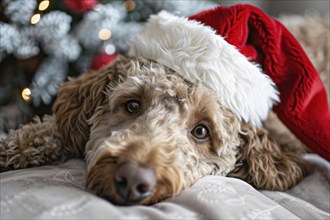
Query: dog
<point x="147" y="134"/>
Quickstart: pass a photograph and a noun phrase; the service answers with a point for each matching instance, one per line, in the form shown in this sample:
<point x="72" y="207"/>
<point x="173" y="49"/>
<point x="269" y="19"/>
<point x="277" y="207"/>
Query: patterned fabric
<point x="57" y="192"/>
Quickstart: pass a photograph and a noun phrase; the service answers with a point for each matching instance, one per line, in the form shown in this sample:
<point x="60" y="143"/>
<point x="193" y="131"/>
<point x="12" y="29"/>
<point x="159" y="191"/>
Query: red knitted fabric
<point x="303" y="108"/>
<point x="102" y="59"/>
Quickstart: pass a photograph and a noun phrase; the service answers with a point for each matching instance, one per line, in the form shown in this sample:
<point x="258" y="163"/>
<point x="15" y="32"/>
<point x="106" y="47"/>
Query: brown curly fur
<point x="90" y="121"/>
<point x="34" y="144"/>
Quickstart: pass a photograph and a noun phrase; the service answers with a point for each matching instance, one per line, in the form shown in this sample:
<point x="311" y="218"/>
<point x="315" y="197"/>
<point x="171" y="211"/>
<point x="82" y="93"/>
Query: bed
<point x="57" y="192"/>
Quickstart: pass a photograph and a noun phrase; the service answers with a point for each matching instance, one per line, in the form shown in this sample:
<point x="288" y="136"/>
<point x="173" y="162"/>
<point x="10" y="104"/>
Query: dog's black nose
<point x="134" y="182"/>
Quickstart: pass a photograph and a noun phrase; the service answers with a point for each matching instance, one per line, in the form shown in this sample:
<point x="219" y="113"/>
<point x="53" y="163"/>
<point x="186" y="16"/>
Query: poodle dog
<point x="147" y="134"/>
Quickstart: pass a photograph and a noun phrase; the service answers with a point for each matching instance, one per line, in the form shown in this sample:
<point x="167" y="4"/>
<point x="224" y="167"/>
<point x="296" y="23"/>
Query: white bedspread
<point x="57" y="192"/>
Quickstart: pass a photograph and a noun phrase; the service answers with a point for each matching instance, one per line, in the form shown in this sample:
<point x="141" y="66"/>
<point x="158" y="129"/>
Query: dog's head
<point x="157" y="134"/>
<point x="147" y="134"/>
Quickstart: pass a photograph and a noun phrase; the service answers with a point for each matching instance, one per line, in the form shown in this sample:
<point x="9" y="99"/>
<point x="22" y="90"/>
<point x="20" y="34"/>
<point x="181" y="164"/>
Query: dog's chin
<point x="108" y="193"/>
<point x="99" y="181"/>
<point x="157" y="195"/>
<point x="120" y="202"/>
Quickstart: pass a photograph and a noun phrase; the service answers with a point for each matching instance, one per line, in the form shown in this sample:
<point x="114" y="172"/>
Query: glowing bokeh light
<point x="43" y="5"/>
<point x="26" y="94"/>
<point x="35" y="19"/>
<point x="104" y="34"/>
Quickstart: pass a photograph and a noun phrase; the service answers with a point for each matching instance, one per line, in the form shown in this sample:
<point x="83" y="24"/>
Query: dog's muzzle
<point x="134" y="182"/>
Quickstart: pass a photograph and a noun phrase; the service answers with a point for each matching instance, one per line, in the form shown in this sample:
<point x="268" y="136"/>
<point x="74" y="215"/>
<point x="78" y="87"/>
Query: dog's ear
<point x="265" y="164"/>
<point x="77" y="100"/>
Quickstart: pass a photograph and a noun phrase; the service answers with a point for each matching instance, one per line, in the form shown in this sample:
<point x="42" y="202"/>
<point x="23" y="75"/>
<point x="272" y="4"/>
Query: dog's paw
<point x="9" y="156"/>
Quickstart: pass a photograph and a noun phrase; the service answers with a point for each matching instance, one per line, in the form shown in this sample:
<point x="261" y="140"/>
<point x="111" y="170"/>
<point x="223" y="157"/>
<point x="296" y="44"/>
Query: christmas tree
<point x="42" y="42"/>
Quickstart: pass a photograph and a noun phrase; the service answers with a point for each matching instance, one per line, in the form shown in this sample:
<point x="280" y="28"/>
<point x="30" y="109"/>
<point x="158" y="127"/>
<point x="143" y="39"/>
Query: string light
<point x="110" y="49"/>
<point x="43" y="5"/>
<point x="35" y="19"/>
<point x="97" y="7"/>
<point x="26" y="94"/>
<point x="104" y="34"/>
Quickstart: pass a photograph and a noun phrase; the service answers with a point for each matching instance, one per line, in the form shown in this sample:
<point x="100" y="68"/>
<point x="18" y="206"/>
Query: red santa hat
<point x="199" y="54"/>
<point x="246" y="57"/>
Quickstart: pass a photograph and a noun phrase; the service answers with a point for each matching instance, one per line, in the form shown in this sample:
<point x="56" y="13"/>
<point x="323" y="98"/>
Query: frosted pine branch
<point x="20" y="11"/>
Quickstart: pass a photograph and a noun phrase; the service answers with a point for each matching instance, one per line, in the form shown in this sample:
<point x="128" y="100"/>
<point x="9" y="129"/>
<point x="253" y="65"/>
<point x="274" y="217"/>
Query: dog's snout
<point x="134" y="182"/>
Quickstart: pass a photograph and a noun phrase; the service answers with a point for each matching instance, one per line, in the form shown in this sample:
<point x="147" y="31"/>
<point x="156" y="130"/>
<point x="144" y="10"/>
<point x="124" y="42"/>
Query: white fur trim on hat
<point x="198" y="54"/>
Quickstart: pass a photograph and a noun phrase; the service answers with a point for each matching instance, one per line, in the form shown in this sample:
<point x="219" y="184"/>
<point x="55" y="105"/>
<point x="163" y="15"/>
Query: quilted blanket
<point x="57" y="192"/>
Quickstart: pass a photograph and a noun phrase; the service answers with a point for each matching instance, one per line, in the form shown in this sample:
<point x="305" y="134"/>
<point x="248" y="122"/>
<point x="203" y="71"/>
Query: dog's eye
<point x="132" y="106"/>
<point x="200" y="132"/>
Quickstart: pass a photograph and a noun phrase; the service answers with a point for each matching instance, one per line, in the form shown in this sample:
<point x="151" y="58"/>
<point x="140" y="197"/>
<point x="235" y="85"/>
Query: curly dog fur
<point x="138" y="111"/>
<point x="91" y="120"/>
